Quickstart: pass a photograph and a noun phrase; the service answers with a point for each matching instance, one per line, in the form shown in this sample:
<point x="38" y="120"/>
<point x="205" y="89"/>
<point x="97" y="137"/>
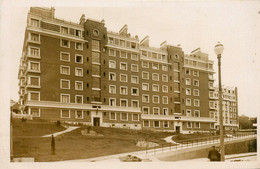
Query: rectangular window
<point x="135" y="103"/>
<point x="196" y="124"/>
<point x="78" y="33"/>
<point x="79" y="99"/>
<point x="65" y="113"/>
<point x="64" y="30"/>
<point x="164" y="67"/>
<point x="196" y="102"/>
<point x="156" y="99"/>
<point x="134" y="56"/>
<point x="78" y="59"/>
<point x="133" y="45"/>
<point x="123" y="55"/>
<point x="211" y="85"/>
<point x="145" y="75"/>
<point x="154" y="55"/>
<point x="65" y="84"/>
<point x="146" y="110"/>
<point x="78" y="71"/>
<point x="34" y="52"/>
<point x="112" y="52"/>
<point x="123" y="66"/>
<point x="212" y="104"/>
<point x="155" y="87"/>
<point x="65" y="43"/>
<point x="35" y="22"/>
<point x="155" y="66"/>
<point x="196" y="113"/>
<point x="156" y="111"/>
<point x="123" y="78"/>
<point x="79" y="114"/>
<point x="123" y="103"/>
<point x="112" y="116"/>
<point x="196" y="82"/>
<point x="176" y="76"/>
<point x="78" y="46"/>
<point x="34" y="37"/>
<point x="112" y="64"/>
<point x="112" y="76"/>
<point x="34" y="66"/>
<point x="155" y="76"/>
<point x="144" y="53"/>
<point x="34" y="95"/>
<point x="145" y="86"/>
<point x="196" y="92"/>
<point x="122" y="43"/>
<point x="111" y="40"/>
<point x="176" y="66"/>
<point x="165" y="99"/>
<point x="156" y="124"/>
<point x="164" y="88"/>
<point x="145" y="98"/>
<point x="95" y="45"/>
<point x="188" y="102"/>
<point x="65" y="98"/>
<point x="95" y="57"/>
<point x="165" y="124"/>
<point x="134" y="79"/>
<point x="34" y="81"/>
<point x="165" y="111"/>
<point x="145" y="64"/>
<point x="189" y="124"/>
<point x="134" y="68"/>
<point x="135" y="91"/>
<point x="188" y="91"/>
<point x="188" y="81"/>
<point x="165" y="78"/>
<point x="188" y="112"/>
<point x="112" y="102"/>
<point x="35" y="112"/>
<point x="65" y="70"/>
<point x="123" y="90"/>
<point x="135" y="117"/>
<point x="112" y="89"/>
<point x="78" y="85"/>
<point x="64" y="56"/>
<point x="195" y="73"/>
<point x="146" y="123"/>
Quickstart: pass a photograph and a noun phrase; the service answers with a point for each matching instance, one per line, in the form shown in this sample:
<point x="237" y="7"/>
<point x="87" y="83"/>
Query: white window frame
<point x="158" y="99"/>
<point x="124" y="100"/>
<point x="33" y="25"/>
<point x="112" y="99"/>
<point x="29" y="66"/>
<point x="213" y="104"/>
<point x="143" y="75"/>
<point x="111" y="61"/>
<point x="61" y="66"/>
<point x="188" y="91"/>
<point x="121" y="65"/>
<point x="188" y="112"/>
<point x="163" y="99"/>
<point x="148" y="123"/>
<point x="187" y="79"/>
<point x="186" y="71"/>
<point x="189" y="127"/>
<point x="29" y="95"/>
<point x="121" y="116"/>
<point x="64" y="46"/>
<point x="120" y="53"/>
<point x="143" y="98"/>
<point x="110" y="88"/>
<point x="111" y="116"/>
<point x="61" y="30"/>
<point x="158" y="86"/>
<point x="196" y="126"/>
<point x="61" y="83"/>
<point x="123" y="75"/>
<point x="147" y="86"/>
<point x="154" y="124"/>
<point x="126" y="90"/>
<point x="158" y="68"/>
<point x="166" y="78"/>
<point x="30" y="37"/>
<point x="64" y="117"/>
<point x="166" y="88"/>
<point x="194" y="80"/>
<point x="136" y="66"/>
<point x="137" y="91"/>
<point x="164" y="67"/>
<point x="29" y="80"/>
<point x="81" y="99"/>
<point x="168" y="124"/>
<point x="110" y="54"/>
<point x="133" y="104"/>
<point x="29" y="51"/>
<point x="82" y="114"/>
<point x="154" y="78"/>
<point x="132" y="76"/>
<point x="81" y="45"/>
<point x="78" y="69"/>
<point x="195" y="101"/>
<point x="136" y="56"/>
<point x="137" y="116"/>
<point x="61" y="56"/>
<point x="147" y="108"/>
<point x="187" y="102"/>
<point x="197" y="111"/>
<point x="110" y="74"/>
<point x="62" y="94"/>
<point x="194" y="74"/>
<point x="76" y="85"/>
<point x="143" y="64"/>
<point x="76" y="59"/>
<point x="194" y="91"/>
<point x="167" y="113"/>
<point x="158" y="108"/>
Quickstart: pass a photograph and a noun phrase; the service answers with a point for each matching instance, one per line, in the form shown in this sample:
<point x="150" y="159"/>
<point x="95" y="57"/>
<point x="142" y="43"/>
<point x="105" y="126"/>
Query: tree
<point x="245" y="122"/>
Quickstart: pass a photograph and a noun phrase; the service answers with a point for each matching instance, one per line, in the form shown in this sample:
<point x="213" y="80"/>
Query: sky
<point x="191" y="24"/>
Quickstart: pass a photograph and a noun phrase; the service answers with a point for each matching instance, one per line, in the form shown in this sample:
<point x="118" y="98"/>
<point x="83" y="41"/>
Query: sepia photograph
<point x="130" y="81"/>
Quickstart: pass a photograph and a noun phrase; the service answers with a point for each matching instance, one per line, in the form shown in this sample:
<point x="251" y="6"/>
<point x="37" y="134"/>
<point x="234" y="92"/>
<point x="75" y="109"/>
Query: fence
<point x="190" y="143"/>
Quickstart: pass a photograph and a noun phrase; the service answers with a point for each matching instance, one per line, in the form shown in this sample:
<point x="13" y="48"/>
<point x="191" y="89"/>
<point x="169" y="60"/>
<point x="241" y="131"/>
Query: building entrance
<point x="96" y="121"/>
<point x="177" y="129"/>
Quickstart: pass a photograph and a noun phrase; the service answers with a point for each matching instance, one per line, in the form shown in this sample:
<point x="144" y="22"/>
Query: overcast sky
<point x="191" y="24"/>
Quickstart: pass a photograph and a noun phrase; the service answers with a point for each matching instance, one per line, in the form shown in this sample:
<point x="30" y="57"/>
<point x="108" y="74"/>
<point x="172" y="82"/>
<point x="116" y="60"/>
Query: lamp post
<point x="219" y="50"/>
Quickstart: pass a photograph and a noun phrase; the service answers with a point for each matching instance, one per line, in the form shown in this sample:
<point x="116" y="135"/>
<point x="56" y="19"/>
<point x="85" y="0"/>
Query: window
<point x="34" y="52"/>
<point x="123" y="66"/>
<point x="154" y="55"/>
<point x="65" y="70"/>
<point x="64" y="30"/>
<point x="156" y="111"/>
<point x="79" y="99"/>
<point x="111" y="40"/>
<point x="112" y="76"/>
<point x="145" y="98"/>
<point x="95" y="57"/>
<point x="211" y="85"/>
<point x="95" y="45"/>
<point x="65" y="113"/>
<point x="176" y="56"/>
<point x="164" y="88"/>
<point x="133" y="45"/>
<point x="34" y="37"/>
<point x="212" y="104"/>
<point x="78" y="85"/>
<point x="189" y="124"/>
<point x="196" y="113"/>
<point x="112" y="102"/>
<point x="65" y="43"/>
<point x="135" y="103"/>
<point x="176" y="66"/>
<point x="112" y="52"/>
<point x="164" y="67"/>
<point x="176" y="76"/>
<point x="135" y="91"/>
<point x="196" y="82"/>
<point x="165" y="111"/>
<point x="145" y="64"/>
<point x="146" y="110"/>
<point x="95" y="32"/>
<point x="134" y="79"/>
<point x="134" y="68"/>
<point x="35" y="112"/>
<point x="165" y="99"/>
<point x="212" y="125"/>
<point x="65" y="84"/>
<point x="188" y="112"/>
<point x="145" y="75"/>
<point x="78" y="71"/>
<point x="188" y="81"/>
<point x="112" y="116"/>
<point x="155" y="76"/>
<point x="155" y="66"/>
<point x="156" y="99"/>
<point x="144" y="53"/>
<point x="34" y="95"/>
<point x="79" y="46"/>
<point x="196" y="92"/>
<point x="165" y="78"/>
<point x="196" y="124"/>
<point x="155" y="87"/>
<point x="134" y="56"/>
<point x="123" y="55"/>
<point x="165" y="124"/>
<point x="35" y="22"/>
<point x="145" y="86"/>
<point x="64" y="56"/>
<point x="188" y="102"/>
<point x="187" y="71"/>
<point x="123" y="90"/>
<point x="34" y="66"/>
<point x="65" y="98"/>
<point x="188" y="91"/>
<point x="196" y="102"/>
<point x="156" y="124"/>
<point x="79" y="114"/>
<point x="123" y="103"/>
<point x="195" y="73"/>
<point x="122" y="43"/>
<point x="79" y="59"/>
<point x="78" y="33"/>
<point x="123" y="78"/>
<point x="112" y="64"/>
<point x="146" y="123"/>
<point x="112" y="89"/>
<point x="135" y="117"/>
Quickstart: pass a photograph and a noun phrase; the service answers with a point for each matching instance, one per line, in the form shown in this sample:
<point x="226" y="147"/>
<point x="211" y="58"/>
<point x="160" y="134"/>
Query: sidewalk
<point x="69" y="129"/>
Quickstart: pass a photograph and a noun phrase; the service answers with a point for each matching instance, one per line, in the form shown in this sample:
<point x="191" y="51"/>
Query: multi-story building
<point x="83" y="73"/>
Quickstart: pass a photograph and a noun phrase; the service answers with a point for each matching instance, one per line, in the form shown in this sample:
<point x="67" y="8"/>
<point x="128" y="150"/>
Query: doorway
<point x="96" y="121"/>
<point x="177" y="129"/>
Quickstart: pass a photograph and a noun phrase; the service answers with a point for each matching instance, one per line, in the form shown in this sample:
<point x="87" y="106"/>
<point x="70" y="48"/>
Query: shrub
<point x="23" y="119"/>
<point x="58" y="123"/>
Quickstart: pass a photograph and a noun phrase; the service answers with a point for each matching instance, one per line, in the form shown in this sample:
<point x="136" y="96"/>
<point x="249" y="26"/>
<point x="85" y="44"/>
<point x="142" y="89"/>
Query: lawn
<point x="183" y="137"/>
<point x="74" y="145"/>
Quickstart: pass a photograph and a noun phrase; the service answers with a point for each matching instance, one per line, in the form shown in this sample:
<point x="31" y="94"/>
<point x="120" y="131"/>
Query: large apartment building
<point x="83" y="73"/>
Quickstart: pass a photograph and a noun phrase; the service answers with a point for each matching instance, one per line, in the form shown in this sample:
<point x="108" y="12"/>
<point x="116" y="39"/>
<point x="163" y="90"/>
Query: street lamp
<point x="219" y="50"/>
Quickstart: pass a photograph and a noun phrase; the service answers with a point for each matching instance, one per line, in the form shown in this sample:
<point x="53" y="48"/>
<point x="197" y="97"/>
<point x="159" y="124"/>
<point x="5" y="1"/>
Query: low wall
<point x="234" y="147"/>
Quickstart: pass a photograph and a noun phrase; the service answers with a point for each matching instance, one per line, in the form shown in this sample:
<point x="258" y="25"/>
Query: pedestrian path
<point x="169" y="139"/>
<point x="69" y="129"/>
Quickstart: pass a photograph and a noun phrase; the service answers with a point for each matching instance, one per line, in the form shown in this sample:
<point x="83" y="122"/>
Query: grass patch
<point x="182" y="137"/>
